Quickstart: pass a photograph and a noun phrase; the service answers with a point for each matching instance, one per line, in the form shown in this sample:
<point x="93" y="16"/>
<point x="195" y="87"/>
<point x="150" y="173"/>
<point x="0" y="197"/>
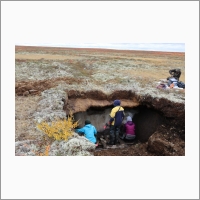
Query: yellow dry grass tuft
<point x="46" y="152"/>
<point x="60" y="129"/>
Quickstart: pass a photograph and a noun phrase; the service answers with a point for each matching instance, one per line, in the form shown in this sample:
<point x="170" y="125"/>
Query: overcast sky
<point x="169" y="47"/>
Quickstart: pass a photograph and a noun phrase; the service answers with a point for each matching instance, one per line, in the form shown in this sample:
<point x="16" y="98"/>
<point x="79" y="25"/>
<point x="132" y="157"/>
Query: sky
<point x="167" y="47"/>
<point x="152" y="25"/>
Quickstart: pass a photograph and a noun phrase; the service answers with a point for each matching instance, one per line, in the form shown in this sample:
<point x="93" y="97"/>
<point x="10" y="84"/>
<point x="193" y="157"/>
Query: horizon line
<point x="94" y="47"/>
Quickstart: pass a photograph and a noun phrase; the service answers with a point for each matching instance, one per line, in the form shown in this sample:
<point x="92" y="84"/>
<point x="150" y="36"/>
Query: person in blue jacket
<point x="89" y="131"/>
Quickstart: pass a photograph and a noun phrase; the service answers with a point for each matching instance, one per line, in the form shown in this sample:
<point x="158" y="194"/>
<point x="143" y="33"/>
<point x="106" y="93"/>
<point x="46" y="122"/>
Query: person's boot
<point x="112" y="137"/>
<point x="117" y="142"/>
<point x="112" y="140"/>
<point x="117" y="136"/>
<point x="110" y="143"/>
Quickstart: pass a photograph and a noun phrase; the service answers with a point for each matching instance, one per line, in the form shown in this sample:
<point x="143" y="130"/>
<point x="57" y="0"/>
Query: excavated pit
<point x="146" y="120"/>
<point x="160" y="122"/>
<point x="148" y="113"/>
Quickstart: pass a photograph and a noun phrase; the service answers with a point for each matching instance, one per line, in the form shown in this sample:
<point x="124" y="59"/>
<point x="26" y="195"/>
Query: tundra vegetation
<point x="44" y="75"/>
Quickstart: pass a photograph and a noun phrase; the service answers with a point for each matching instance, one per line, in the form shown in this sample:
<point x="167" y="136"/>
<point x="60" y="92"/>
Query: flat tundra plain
<point x="87" y="69"/>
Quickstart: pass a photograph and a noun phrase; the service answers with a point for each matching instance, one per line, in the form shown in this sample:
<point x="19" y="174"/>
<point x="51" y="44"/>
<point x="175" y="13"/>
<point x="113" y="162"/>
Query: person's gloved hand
<point x="106" y="125"/>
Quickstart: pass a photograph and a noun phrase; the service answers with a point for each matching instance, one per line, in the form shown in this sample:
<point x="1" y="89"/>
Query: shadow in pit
<point x="146" y="120"/>
<point x="103" y="139"/>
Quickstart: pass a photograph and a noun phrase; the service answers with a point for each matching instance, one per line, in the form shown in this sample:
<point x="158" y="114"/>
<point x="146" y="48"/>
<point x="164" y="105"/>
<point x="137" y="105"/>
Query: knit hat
<point x="117" y="103"/>
<point x="129" y="119"/>
<point x="87" y="122"/>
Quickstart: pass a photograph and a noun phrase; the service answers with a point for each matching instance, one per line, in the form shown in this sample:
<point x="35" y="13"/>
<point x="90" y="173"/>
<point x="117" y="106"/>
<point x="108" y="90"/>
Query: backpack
<point x="181" y="84"/>
<point x="162" y="86"/>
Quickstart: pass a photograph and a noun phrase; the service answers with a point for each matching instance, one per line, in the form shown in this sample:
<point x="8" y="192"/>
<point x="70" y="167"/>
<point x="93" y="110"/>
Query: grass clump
<point x="60" y="129"/>
<point x="46" y="152"/>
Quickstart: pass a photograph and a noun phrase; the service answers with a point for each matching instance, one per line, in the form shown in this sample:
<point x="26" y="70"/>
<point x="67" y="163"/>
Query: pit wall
<point x="153" y="112"/>
<point x="99" y="117"/>
<point x="146" y="120"/>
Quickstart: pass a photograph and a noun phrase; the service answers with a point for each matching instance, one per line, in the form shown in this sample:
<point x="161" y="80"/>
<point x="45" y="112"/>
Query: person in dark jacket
<point x="176" y="73"/>
<point x="129" y="130"/>
<point x="116" y="118"/>
<point x="89" y="131"/>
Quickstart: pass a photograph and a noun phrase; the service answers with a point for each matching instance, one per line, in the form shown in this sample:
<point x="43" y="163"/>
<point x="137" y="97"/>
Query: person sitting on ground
<point x="172" y="83"/>
<point x="129" y="130"/>
<point x="89" y="131"/>
<point x="176" y="73"/>
<point x="116" y="118"/>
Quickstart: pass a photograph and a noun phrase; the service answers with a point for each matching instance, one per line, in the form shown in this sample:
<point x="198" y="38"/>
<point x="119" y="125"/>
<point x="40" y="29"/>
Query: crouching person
<point x="89" y="131"/>
<point x="129" y="130"/>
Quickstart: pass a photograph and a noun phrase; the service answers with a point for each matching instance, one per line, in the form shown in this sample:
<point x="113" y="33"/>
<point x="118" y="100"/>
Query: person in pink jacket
<point x="129" y="130"/>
